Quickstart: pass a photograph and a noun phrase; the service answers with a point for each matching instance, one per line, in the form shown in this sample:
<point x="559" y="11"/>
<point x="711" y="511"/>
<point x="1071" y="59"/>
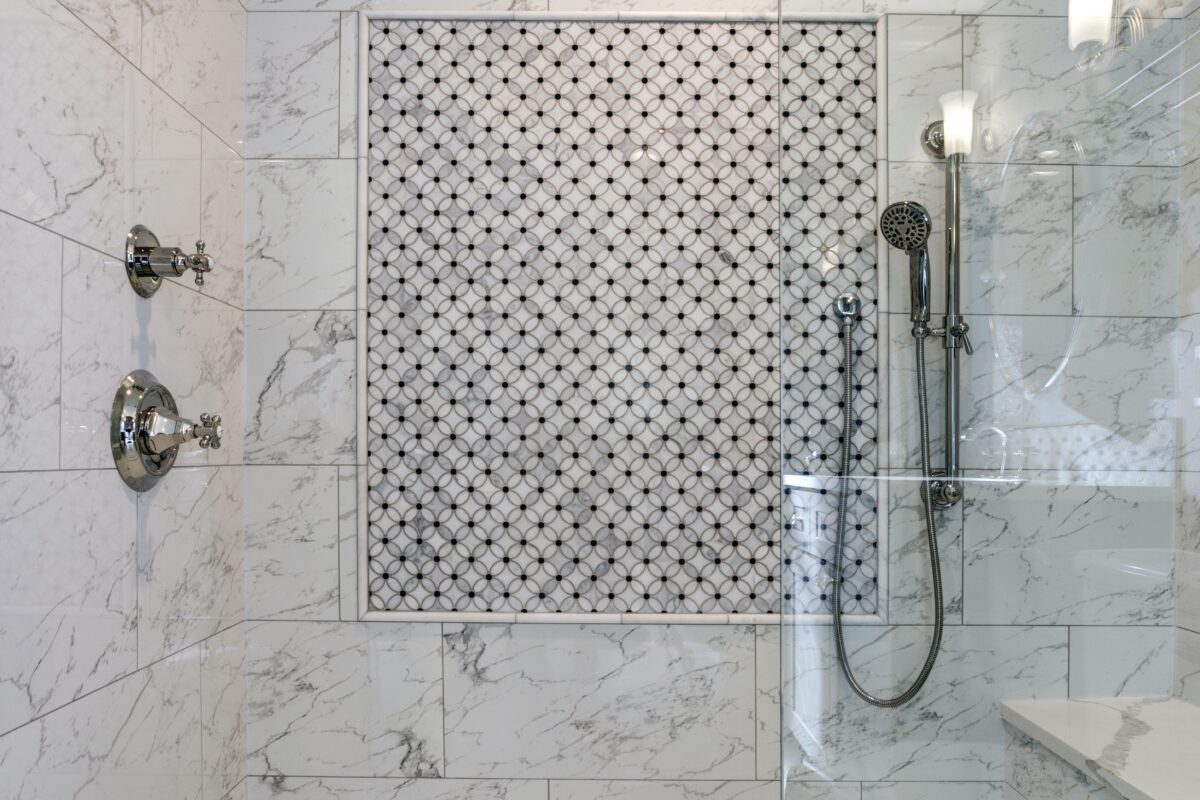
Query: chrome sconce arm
<point x="147" y="262"/>
<point x="147" y="430"/>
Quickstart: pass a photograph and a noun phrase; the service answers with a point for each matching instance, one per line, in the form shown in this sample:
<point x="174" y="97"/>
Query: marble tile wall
<point x="120" y="614"/>
<point x="1060" y="330"/>
<point x="1187" y="517"/>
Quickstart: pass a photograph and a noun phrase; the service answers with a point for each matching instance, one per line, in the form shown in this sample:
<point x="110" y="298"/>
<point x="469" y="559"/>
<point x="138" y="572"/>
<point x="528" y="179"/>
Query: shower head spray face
<point x="905" y="225"/>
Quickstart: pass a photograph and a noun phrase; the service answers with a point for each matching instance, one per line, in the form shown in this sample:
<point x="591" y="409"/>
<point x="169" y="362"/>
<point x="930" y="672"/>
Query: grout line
<point x="141" y="72"/>
<point x="62" y="283"/>
<point x="120" y="678"/>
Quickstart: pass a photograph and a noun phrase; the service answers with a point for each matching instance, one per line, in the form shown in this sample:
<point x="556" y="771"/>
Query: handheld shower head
<point x="906" y="225"/>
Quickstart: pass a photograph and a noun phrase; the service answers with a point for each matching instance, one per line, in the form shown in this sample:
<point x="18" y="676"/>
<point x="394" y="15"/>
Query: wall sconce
<point x="1090" y="24"/>
<point x="958" y="118"/>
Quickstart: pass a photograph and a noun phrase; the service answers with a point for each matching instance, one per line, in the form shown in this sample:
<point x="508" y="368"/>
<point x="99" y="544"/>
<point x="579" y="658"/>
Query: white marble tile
<point x="1021" y="8"/>
<point x="1187" y="370"/>
<point x="30" y="345"/>
<point x="223" y="704"/>
<point x="138" y="737"/>
<point x="1187" y="589"/>
<point x="1187" y="506"/>
<point x="664" y="790"/>
<point x="1187" y="665"/>
<point x="767" y="677"/>
<point x="934" y="790"/>
<point x="348" y="86"/>
<point x="84" y="165"/>
<point x="1016" y="241"/>
<point x="68" y="588"/>
<point x="601" y="701"/>
<point x="798" y="9"/>
<point x="118" y="22"/>
<point x="950" y="732"/>
<point x="821" y="790"/>
<point x="1126" y="241"/>
<point x="910" y="588"/>
<point x="1121" y="661"/>
<point x="924" y="62"/>
<point x="348" y="542"/>
<point x="292" y="542"/>
<point x="672" y="6"/>
<point x="353" y="699"/>
<point x="1062" y="393"/>
<point x="300" y="389"/>
<point x="1122" y="743"/>
<point x="1040" y="552"/>
<point x="292" y="85"/>
<point x="1189" y="213"/>
<point x="1038" y="774"/>
<point x="301" y="246"/>
<point x="392" y="789"/>
<point x="447" y="6"/>
<point x="190" y="558"/>
<point x="1050" y="111"/>
<point x="195" y="50"/>
<point x="192" y="344"/>
<point x="903" y="442"/>
<point x="222" y="225"/>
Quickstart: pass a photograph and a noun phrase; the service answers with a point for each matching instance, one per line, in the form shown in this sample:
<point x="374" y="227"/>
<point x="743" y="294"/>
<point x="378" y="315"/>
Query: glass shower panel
<point x="1058" y="562"/>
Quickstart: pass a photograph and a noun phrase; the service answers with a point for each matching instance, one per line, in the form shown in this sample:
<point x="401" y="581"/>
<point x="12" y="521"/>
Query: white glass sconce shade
<point x="958" y="114"/>
<point x="1089" y="22"/>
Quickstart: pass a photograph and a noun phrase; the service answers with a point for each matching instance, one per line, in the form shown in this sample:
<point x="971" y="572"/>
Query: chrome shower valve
<point x="147" y="430"/>
<point x="147" y="262"/>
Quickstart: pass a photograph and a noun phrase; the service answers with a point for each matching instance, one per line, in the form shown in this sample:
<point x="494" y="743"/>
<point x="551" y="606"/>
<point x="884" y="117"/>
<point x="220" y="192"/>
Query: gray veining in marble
<point x="259" y="788"/>
<point x="600" y="701"/>
<point x="68" y="588"/>
<point x="301" y="251"/>
<point x="30" y="345"/>
<point x="1121" y="661"/>
<point x="1038" y="774"/>
<point x="292" y="92"/>
<point x="138" y="737"/>
<point x="190" y="557"/>
<point x="951" y="732"/>
<point x="300" y="401"/>
<point x="1039" y="552"/>
<point x="292" y="542"/>
<point x="344" y="699"/>
<point x="223" y="703"/>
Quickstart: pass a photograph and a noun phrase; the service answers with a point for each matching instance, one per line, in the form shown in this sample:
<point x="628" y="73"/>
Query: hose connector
<point x="846" y="308"/>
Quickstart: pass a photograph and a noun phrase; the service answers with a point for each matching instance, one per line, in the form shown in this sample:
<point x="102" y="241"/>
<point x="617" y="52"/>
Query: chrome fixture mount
<point x="147" y="262"/>
<point x="947" y="489"/>
<point x="147" y="430"/>
<point x="933" y="139"/>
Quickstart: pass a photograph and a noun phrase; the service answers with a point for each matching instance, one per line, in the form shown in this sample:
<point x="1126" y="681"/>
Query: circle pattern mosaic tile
<point x="573" y="350"/>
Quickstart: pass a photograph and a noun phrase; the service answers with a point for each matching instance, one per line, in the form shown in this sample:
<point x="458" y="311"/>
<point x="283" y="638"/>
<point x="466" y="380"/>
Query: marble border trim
<point x="552" y="618"/>
<point x="597" y="16"/>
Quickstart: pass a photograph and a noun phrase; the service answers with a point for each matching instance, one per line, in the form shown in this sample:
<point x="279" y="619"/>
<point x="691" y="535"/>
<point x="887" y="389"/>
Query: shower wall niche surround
<point x="573" y="292"/>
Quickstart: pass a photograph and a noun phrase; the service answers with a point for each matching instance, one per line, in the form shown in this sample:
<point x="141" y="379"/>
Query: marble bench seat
<point x="1134" y="748"/>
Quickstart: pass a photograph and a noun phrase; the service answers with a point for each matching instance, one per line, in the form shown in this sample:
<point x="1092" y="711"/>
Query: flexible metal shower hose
<point x="843" y="501"/>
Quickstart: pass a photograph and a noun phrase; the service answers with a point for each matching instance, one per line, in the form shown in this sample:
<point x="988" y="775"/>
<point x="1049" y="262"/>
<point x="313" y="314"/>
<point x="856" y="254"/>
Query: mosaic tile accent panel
<point x="827" y="231"/>
<point x="573" y="317"/>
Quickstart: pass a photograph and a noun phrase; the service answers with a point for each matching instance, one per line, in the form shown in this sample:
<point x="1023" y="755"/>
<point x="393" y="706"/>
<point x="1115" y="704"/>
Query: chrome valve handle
<point x="147" y="262"/>
<point x="147" y="430"/>
<point x="200" y="262"/>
